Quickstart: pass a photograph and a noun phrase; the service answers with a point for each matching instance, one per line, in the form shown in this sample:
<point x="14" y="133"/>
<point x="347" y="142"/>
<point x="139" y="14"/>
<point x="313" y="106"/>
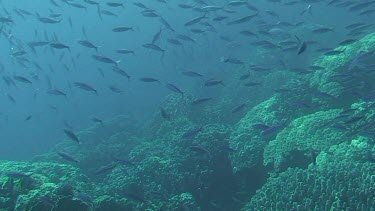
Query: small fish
<point x="312" y="155"/>
<point x="195" y="20"/>
<point x="135" y="197"/>
<point x="67" y="157"/>
<point x="200" y="149"/>
<point x="72" y="135"/>
<point x="191" y="74"/>
<point x="115" y="89"/>
<point x="242" y="20"/>
<point x="322" y="30"/>
<point x="85" y="87"/>
<point x="174" y="88"/>
<point x="122" y="29"/>
<point x="121" y="72"/>
<point x="28" y="118"/>
<point x="57" y="45"/>
<point x="149" y="80"/>
<point x="88" y="44"/>
<point x="105" y="169"/>
<point x="56" y="92"/>
<point x="239" y="108"/>
<point x="250" y="84"/>
<point x="213" y="82"/>
<point x="125" y="51"/>
<point x="334" y="52"/>
<point x="201" y="101"/>
<point x="115" y="4"/>
<point x="347" y="42"/>
<point x="165" y="114"/>
<point x="18" y="175"/>
<point x="245" y="76"/>
<point x="22" y="79"/>
<point x="191" y="133"/>
<point x="273" y="129"/>
<point x="302" y="48"/>
<point x="231" y="60"/>
<point x="105" y="59"/>
<point x="97" y="120"/>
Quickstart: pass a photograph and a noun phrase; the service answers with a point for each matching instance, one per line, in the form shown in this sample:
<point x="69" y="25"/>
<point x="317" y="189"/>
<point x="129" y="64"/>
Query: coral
<point x="310" y="131"/>
<point x="246" y="140"/>
<point x="341" y="180"/>
<point x="167" y="166"/>
<point x="183" y="201"/>
<point x="43" y="179"/>
<point x="322" y="79"/>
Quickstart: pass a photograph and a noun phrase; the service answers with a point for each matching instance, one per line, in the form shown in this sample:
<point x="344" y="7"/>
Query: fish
<point x="22" y="79"/>
<point x="88" y="44"/>
<point x="97" y="120"/>
<point x="48" y="20"/>
<point x="106" y="60"/>
<point x="191" y="73"/>
<point x="243" y="19"/>
<point x="57" y="45"/>
<point x="121" y="72"/>
<point x="347" y="42"/>
<point x="165" y="114"/>
<point x="71" y="135"/>
<point x="174" y="88"/>
<point x="105" y="169"/>
<point x="122" y="29"/>
<point x="250" y="84"/>
<point x="195" y="20"/>
<point x="134" y="197"/>
<point x="157" y="36"/>
<point x="28" y="118"/>
<point x="245" y="76"/>
<point x="200" y="101"/>
<point x="115" y="4"/>
<point x="125" y="51"/>
<point x="185" y="38"/>
<point x="273" y="129"/>
<point x="322" y="30"/>
<point x="334" y="52"/>
<point x="67" y="157"/>
<point x="166" y="24"/>
<point x="56" y="92"/>
<point x="115" y="89"/>
<point x="231" y="60"/>
<point x="239" y="108"/>
<point x="18" y="175"/>
<point x="302" y="48"/>
<point x="213" y="82"/>
<point x="200" y="149"/>
<point x="85" y="87"/>
<point x="148" y="80"/>
<point x="153" y="47"/>
<point x="192" y="133"/>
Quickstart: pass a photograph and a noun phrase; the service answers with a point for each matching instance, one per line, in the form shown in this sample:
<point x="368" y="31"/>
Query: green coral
<point x="246" y="140"/>
<point x="310" y="131"/>
<point x="322" y="79"/>
<point x="342" y="180"/>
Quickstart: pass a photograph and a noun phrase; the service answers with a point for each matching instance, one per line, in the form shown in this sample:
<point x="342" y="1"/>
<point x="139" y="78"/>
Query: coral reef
<point x="342" y="179"/>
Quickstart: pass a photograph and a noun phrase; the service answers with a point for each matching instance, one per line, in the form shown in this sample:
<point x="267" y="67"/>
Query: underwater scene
<point x="187" y="105"/>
